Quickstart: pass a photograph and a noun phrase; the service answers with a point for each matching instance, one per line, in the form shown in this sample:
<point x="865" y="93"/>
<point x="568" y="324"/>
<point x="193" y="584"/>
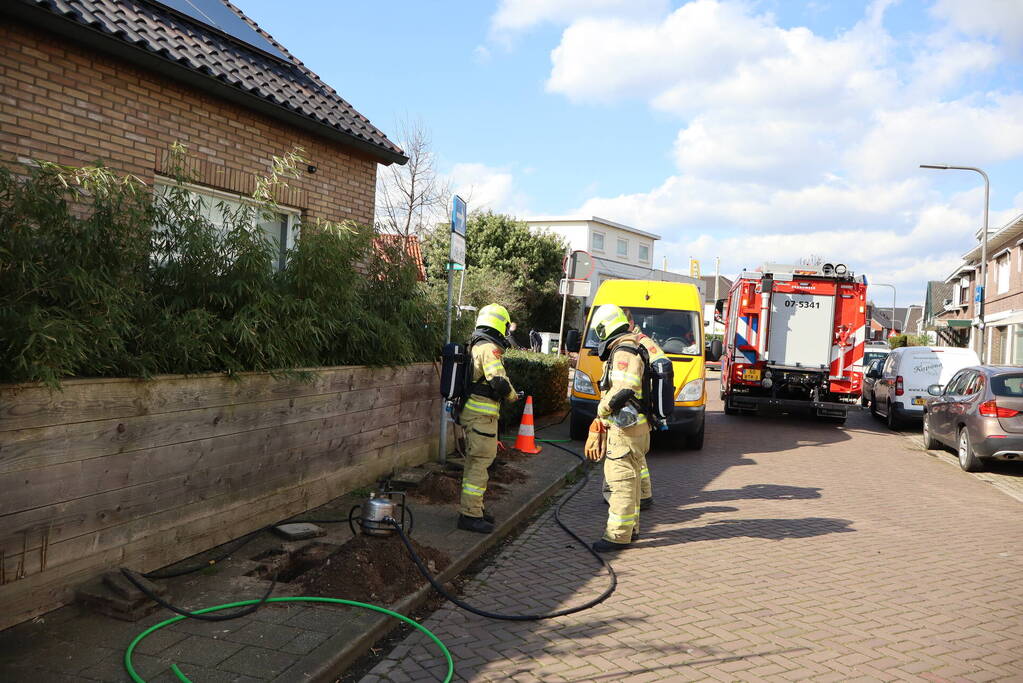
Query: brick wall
<point x="120" y="472"/>
<point x="64" y="103"/>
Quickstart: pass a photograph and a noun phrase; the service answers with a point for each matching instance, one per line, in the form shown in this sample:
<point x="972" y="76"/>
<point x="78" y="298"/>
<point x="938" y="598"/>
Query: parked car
<point x="900" y="392"/>
<point x="872" y="353"/>
<point x="979" y="412"/>
<point x="869" y="378"/>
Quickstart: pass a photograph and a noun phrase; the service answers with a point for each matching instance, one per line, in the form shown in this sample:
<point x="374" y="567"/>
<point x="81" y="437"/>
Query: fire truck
<point x="793" y="340"/>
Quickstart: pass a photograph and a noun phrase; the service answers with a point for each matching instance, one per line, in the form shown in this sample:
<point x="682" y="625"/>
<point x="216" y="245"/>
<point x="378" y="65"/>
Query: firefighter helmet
<point x="608" y="321"/>
<point x="494" y="316"/>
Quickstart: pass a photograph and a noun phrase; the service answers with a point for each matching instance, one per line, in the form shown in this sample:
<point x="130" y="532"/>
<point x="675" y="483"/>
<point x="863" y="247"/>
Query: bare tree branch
<point x="411" y="198"/>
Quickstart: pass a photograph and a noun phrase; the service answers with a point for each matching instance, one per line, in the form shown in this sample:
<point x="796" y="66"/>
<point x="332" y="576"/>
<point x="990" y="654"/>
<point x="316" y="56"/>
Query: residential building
<point x="715" y="287"/>
<point x="121" y="81"/>
<point x="1003" y="301"/>
<point x="619" y="252"/>
<point x="939" y="296"/>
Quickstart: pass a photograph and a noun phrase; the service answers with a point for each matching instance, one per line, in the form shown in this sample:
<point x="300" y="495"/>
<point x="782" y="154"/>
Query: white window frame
<point x="618" y="247"/>
<point x="291" y="215"/>
<point x="593" y="241"/>
<point x="1003" y="272"/>
<point x="646" y="247"/>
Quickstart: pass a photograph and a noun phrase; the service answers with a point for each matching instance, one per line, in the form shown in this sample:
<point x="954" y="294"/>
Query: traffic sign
<point x="579" y="265"/>
<point x="579" y="288"/>
<point x="457" y="256"/>
<point x="458" y="215"/>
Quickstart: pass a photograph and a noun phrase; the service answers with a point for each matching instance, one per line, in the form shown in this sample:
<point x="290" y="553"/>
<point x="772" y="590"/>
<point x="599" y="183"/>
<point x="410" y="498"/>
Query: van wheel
<point x="893" y="420"/>
<point x="577" y="429"/>
<point x="968" y="460"/>
<point x="695" y="441"/>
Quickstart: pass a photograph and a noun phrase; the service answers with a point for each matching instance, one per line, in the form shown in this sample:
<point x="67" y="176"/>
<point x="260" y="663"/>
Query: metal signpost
<point x="577" y="263"/>
<point x="456" y="261"/>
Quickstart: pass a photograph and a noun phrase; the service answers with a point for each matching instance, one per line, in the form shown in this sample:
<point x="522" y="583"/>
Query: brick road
<point x="785" y="550"/>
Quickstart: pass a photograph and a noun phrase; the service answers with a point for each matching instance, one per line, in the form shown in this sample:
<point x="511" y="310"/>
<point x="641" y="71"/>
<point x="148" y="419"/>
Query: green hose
<point x="338" y="601"/>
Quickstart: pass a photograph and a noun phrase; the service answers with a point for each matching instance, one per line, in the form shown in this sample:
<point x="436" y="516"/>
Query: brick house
<point x="1003" y="305"/>
<point x="119" y="81"/>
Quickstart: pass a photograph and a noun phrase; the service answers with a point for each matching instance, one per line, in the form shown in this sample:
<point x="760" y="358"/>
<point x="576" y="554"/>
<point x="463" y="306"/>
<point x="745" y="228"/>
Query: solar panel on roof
<point x="218" y="15"/>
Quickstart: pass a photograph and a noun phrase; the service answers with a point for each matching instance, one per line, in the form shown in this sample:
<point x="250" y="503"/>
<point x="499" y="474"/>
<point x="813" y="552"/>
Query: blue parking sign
<point x="458" y="215"/>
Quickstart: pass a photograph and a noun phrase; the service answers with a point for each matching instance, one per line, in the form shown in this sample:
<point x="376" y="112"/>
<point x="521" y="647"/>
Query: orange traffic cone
<point x="526" y="441"/>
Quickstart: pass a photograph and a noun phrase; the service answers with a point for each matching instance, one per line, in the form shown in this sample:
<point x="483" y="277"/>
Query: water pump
<point x="374" y="513"/>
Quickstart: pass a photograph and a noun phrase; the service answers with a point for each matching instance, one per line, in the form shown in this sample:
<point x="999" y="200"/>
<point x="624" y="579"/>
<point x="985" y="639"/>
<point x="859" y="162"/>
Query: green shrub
<point x="102" y="276"/>
<point x="540" y="375"/>
<point x="897" y="341"/>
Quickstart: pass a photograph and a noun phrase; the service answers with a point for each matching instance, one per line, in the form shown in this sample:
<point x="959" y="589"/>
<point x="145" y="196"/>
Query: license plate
<point x="919" y="401"/>
<point x="752" y="375"/>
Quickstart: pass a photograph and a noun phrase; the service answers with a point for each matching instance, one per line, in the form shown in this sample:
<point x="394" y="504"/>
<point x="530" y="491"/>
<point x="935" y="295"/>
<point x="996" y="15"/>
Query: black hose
<point x="194" y="615"/>
<point x="524" y="617"/>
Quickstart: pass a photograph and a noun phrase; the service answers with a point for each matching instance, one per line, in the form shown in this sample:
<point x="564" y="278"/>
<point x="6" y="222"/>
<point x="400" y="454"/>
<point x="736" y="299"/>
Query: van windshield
<point x="678" y="333"/>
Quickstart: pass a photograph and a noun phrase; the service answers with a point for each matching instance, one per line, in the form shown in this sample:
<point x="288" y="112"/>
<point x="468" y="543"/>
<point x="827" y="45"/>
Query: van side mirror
<point x="572" y="341"/>
<point x="935" y="389"/>
<point x="874" y="373"/>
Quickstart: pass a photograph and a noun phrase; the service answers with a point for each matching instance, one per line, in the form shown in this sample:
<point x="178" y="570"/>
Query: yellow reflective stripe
<point x="644" y="473"/>
<point x="622" y="519"/>
<point x="492" y="365"/>
<point x="473" y="490"/>
<point x="481" y="407"/>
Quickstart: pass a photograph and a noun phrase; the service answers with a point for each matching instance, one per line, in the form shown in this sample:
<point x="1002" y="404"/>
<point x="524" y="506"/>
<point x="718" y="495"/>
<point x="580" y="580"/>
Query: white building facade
<point x="620" y="252"/>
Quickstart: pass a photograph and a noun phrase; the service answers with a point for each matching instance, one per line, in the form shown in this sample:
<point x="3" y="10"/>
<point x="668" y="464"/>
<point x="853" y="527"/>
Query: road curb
<point x="337" y="653"/>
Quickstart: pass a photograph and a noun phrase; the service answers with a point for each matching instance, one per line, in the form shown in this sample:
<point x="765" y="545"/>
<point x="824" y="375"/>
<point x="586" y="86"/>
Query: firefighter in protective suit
<point x="619" y="413"/>
<point x="654" y="351"/>
<point x="489" y="386"/>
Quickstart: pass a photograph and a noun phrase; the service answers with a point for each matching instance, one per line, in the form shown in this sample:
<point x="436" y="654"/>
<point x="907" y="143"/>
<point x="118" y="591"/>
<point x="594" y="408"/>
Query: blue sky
<point x="745" y="130"/>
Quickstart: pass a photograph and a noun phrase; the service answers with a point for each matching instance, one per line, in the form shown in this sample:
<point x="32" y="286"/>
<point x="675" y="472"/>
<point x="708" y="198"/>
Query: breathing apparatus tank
<point x="660" y="378"/>
<point x="454" y="372"/>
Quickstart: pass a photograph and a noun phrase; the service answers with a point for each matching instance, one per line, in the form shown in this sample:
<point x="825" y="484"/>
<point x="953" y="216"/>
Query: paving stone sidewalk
<point x="786" y="550"/>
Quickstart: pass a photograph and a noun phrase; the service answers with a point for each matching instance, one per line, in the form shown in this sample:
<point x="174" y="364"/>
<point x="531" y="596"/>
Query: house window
<point x="597" y="241"/>
<point x="280" y="228"/>
<point x="964" y="291"/>
<point x="1002" y="266"/>
<point x="644" y="253"/>
<point x="1017" y="345"/>
<point x="623" y="248"/>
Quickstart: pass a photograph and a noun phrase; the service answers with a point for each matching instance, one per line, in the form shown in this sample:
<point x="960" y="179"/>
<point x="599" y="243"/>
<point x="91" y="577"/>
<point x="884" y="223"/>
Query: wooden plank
<point x="38" y="447"/>
<point x="27" y="406"/>
<point x="98" y="522"/>
<point x="69" y="481"/>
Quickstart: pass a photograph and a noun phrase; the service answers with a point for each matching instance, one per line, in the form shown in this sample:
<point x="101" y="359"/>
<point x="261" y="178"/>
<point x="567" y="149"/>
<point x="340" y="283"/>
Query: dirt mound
<point x="370" y="569"/>
<point x="438" y="488"/>
<point x="503" y="473"/>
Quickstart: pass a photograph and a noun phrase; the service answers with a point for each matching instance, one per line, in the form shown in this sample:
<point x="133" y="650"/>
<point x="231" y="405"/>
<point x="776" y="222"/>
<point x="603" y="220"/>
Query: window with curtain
<point x="623" y="248"/>
<point x="1002" y="267"/>
<point x="597" y="241"/>
<point x="644" y="253"/>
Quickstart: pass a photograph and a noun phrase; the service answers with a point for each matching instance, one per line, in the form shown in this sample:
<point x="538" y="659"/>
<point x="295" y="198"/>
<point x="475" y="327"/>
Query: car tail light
<point x="899" y="390"/>
<point x="991" y="409"/>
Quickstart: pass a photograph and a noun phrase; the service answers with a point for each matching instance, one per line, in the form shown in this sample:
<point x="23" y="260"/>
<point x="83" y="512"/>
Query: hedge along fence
<point x="101" y="276"/>
<point x="540" y="375"/>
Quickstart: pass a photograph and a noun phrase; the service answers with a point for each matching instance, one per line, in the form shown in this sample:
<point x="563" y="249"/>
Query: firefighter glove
<point x="596" y="441"/>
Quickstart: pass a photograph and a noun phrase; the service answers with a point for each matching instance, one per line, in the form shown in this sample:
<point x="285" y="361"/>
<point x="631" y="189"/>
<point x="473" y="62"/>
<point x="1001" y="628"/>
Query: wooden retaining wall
<point x="119" y="472"/>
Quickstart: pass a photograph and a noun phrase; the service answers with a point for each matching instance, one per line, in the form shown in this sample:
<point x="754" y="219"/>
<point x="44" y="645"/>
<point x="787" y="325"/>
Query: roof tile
<point x="176" y="38"/>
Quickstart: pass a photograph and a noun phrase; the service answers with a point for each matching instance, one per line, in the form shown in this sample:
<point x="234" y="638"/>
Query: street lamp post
<point x="881" y="284"/>
<point x="983" y="251"/>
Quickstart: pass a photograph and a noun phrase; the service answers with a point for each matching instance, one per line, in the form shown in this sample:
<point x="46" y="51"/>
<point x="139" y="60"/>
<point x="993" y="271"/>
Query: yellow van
<point x="671" y="313"/>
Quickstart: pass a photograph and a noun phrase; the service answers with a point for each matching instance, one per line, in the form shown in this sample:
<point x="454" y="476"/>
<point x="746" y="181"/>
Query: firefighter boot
<point x="476" y="524"/>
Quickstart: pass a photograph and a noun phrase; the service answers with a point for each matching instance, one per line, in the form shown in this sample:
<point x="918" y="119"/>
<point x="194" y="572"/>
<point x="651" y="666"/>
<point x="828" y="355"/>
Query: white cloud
<point x="485" y="187"/>
<point x="518" y="15"/>
<point x="1001" y="19"/>
<point x="481" y="54"/>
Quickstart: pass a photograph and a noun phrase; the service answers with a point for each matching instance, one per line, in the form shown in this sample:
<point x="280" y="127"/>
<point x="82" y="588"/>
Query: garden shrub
<point x="542" y="376"/>
<point x="897" y="341"/>
<point x="102" y="276"/>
